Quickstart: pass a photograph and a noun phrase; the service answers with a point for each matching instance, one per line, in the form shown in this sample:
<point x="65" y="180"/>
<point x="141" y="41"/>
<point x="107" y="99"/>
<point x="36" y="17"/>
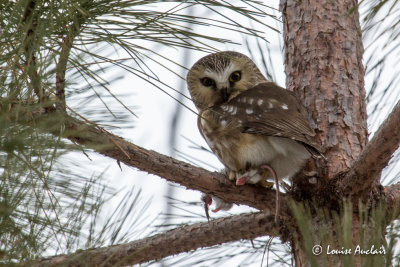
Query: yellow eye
<point x="235" y="76"/>
<point x="207" y="82"/>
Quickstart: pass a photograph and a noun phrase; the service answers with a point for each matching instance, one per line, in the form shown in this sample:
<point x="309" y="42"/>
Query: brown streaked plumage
<point x="249" y="122"/>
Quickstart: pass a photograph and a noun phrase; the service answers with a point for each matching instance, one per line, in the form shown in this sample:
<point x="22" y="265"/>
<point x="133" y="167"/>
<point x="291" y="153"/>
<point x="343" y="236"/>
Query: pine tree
<point x="53" y="52"/>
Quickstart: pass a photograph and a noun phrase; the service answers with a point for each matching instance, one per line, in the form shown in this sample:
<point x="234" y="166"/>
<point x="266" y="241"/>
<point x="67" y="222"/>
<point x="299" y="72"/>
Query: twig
<point x="66" y="45"/>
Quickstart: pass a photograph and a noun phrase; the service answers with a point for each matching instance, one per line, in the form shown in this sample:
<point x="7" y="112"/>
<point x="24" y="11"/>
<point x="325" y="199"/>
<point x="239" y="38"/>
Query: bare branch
<point x="150" y="161"/>
<point x="366" y="170"/>
<point x="182" y="239"/>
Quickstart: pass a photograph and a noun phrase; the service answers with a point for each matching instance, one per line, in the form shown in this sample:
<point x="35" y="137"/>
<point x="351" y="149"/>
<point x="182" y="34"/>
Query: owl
<point x="257" y="129"/>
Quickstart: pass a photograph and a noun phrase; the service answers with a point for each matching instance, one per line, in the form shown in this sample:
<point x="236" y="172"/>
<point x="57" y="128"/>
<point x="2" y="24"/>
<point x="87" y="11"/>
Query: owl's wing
<point x="268" y="109"/>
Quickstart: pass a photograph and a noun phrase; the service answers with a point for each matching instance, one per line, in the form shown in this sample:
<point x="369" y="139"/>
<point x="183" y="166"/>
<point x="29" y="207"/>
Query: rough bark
<point x="172" y="242"/>
<point x="366" y="170"/>
<point x="323" y="64"/>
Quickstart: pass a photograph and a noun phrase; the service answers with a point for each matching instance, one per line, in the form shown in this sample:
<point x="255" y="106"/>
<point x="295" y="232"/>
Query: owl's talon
<point x="266" y="184"/>
<point x="232" y="175"/>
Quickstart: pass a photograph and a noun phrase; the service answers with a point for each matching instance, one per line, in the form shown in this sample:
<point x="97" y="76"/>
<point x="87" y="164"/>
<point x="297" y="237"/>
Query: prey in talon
<point x="219" y="204"/>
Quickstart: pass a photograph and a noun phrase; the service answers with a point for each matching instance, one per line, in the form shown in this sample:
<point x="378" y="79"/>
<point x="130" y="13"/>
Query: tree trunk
<point x="323" y="65"/>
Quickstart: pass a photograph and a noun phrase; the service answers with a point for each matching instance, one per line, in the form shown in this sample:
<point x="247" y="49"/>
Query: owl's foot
<point x="277" y="205"/>
<point x="266" y="184"/>
<point x="232" y="175"/>
<point x="229" y="173"/>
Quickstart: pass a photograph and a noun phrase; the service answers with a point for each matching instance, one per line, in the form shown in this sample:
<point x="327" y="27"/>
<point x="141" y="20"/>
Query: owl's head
<point x="217" y="78"/>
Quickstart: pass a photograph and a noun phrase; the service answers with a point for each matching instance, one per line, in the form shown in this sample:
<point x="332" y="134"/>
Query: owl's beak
<point x="224" y="94"/>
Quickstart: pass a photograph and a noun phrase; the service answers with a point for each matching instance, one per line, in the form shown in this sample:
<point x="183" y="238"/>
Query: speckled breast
<point x="236" y="150"/>
<point x="221" y="137"/>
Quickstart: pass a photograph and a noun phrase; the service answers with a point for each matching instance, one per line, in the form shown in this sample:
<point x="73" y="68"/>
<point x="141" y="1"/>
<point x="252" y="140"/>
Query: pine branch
<point x="376" y="156"/>
<point x="171" y="169"/>
<point x="61" y="67"/>
<point x="72" y="31"/>
<point x="30" y="44"/>
<point x="182" y="239"/>
<point x="105" y="143"/>
<point x="366" y="170"/>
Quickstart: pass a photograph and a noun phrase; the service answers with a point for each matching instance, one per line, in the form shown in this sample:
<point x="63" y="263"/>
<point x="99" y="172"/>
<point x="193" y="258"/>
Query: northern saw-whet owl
<point x="257" y="129"/>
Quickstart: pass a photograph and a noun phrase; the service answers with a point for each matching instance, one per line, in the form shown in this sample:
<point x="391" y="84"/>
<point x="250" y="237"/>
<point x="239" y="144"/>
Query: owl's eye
<point x="207" y="82"/>
<point x="235" y="76"/>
